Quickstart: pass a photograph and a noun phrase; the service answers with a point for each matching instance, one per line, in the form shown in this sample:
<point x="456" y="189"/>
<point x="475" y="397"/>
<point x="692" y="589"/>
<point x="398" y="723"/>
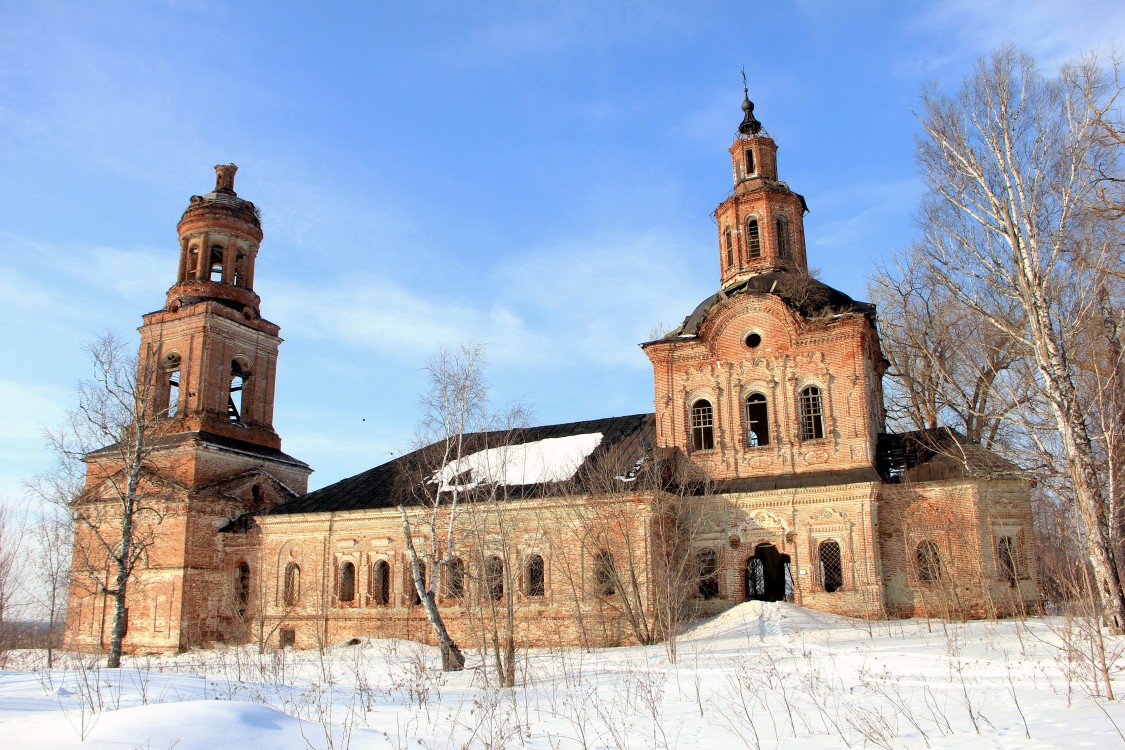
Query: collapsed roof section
<point x="806" y="295"/>
<point x="939" y="453"/>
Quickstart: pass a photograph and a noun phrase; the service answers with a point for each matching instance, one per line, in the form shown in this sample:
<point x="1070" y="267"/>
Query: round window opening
<point x="753" y="340"/>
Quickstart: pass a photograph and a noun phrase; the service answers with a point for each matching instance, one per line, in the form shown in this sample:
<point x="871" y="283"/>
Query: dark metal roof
<point x="624" y="441"/>
<point x="216" y="441"/>
<point x="803" y="293"/>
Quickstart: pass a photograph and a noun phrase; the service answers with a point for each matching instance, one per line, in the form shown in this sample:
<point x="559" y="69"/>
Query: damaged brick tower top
<point x="219" y="354"/>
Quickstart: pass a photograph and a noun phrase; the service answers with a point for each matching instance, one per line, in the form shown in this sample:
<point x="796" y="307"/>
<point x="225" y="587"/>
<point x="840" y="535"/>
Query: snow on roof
<point x="537" y="462"/>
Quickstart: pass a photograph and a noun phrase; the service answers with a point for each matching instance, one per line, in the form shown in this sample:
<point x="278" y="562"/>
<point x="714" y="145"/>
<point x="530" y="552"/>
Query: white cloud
<point x="1052" y="31"/>
<point x="589" y="299"/>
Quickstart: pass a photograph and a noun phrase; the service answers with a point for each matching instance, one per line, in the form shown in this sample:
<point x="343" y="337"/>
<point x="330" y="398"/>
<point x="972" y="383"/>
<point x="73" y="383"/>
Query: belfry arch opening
<point x="171" y="371"/>
<point x="769" y="576"/>
<point x="239" y="374"/>
<point x="215" y="266"/>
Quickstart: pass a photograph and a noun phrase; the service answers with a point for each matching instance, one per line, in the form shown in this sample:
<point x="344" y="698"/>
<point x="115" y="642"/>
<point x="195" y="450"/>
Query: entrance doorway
<point x="769" y="577"/>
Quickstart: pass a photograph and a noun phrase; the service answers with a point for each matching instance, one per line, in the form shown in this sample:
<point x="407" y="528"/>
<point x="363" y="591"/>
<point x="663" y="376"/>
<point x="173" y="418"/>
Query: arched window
<point x="381" y="583"/>
<point x="494" y="578"/>
<point x="535" y="583"/>
<point x="416" y="600"/>
<point x="240" y="270"/>
<point x="346" y="586"/>
<point x="193" y="263"/>
<point x="753" y="239"/>
<point x="782" y="237"/>
<point x="243" y="588"/>
<point x="292" y="587"/>
<point x="702" y="426"/>
<point x="831" y="565"/>
<point x="757" y="421"/>
<point x="605" y="575"/>
<point x="172" y="379"/>
<point x="728" y="241"/>
<point x="812" y="413"/>
<point x="455" y="578"/>
<point x="239" y="374"/>
<point x="708" y="562"/>
<point x="216" y="266"/>
<point x="928" y="562"/>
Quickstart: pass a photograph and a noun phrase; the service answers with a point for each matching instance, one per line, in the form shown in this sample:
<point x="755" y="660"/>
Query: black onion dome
<point x="749" y="125"/>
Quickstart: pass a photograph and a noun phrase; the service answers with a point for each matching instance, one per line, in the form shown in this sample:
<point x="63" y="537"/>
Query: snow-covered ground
<point x="759" y="675"/>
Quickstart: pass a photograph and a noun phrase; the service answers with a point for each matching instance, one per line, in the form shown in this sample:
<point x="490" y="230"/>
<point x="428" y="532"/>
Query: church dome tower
<point x="761" y="221"/>
<point x="776" y="373"/>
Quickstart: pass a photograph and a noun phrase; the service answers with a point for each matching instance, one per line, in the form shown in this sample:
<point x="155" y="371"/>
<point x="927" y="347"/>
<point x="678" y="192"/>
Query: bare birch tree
<point x="945" y="370"/>
<point x="1012" y="163"/>
<point x="454" y="406"/>
<point x="113" y="431"/>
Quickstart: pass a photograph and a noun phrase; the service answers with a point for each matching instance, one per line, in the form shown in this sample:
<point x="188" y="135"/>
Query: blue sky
<point x="536" y="176"/>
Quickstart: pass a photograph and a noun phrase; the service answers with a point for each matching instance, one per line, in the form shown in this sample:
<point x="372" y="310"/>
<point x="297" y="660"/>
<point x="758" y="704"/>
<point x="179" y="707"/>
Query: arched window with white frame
<point x="810" y="403"/>
<point x="702" y="425"/>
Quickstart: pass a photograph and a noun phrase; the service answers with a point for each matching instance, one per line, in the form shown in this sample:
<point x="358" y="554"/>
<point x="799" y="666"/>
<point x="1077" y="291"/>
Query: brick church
<point x="764" y="472"/>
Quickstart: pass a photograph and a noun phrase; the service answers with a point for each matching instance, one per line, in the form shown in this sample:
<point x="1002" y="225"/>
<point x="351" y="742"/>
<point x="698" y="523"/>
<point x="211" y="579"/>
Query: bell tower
<point x="215" y="464"/>
<point x="761" y="221"/>
<point x="213" y="356"/>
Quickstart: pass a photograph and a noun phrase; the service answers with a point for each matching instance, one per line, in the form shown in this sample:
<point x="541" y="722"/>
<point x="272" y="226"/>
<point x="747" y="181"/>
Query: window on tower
<point x="782" y="237"/>
<point x="239" y="374"/>
<point x="171" y="369"/>
<point x="728" y="241"/>
<point x="753" y="239"/>
<point x="240" y="270"/>
<point x="216" y="264"/>
<point x="749" y="162"/>
<point x="702" y="426"/>
<point x="193" y="263"/>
